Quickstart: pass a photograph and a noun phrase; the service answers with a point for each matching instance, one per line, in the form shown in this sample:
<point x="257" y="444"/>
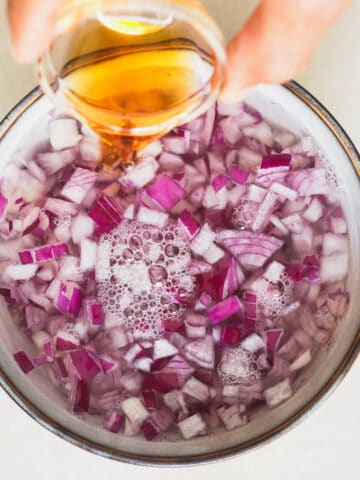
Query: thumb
<point x="31" y="24"/>
<point x="276" y="42"/>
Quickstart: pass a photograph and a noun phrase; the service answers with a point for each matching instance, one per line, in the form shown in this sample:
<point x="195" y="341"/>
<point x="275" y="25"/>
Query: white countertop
<point x="325" y="445"/>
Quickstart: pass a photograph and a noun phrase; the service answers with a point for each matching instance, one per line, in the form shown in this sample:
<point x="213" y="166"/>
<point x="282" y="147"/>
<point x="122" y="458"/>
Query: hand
<point x="31" y="24"/>
<point x="276" y="42"/>
<point x="274" y="45"/>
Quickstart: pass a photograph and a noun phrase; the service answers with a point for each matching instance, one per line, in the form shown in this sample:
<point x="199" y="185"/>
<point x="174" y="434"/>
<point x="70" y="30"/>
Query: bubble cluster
<point x="330" y="175"/>
<point x="273" y="298"/>
<point x="142" y="276"/>
<point x="244" y="214"/>
<point x="238" y="366"/>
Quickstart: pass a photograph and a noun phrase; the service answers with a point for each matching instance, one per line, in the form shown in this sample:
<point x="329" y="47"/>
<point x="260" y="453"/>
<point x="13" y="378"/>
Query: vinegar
<point x="132" y="81"/>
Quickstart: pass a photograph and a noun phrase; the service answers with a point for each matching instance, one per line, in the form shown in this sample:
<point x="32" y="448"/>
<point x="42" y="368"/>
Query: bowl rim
<point x="146" y="460"/>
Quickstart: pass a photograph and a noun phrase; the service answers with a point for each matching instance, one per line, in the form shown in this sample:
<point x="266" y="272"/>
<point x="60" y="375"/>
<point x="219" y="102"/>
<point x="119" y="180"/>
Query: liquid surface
<point x="182" y="296"/>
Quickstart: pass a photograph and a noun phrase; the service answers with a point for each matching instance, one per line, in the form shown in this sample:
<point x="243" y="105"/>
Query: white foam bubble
<point x="142" y="276"/>
<point x="274" y="297"/>
<point x="238" y="366"/>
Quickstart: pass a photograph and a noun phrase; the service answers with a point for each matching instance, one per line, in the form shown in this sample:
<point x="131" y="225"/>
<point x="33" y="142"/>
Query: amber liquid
<point x="132" y="87"/>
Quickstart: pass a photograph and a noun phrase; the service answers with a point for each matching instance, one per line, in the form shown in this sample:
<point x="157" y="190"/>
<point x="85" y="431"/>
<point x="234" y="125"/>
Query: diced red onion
<point x="203" y="240"/>
<point x="219" y="182"/>
<point x="252" y="343"/>
<point x="79" y="185"/>
<point x="196" y="389"/>
<point x="21" y="272"/>
<point x="265" y="210"/>
<point x="311" y="181"/>
<point x="59" y="207"/>
<point x="88" y="250"/>
<point x="272" y="340"/>
<point x="223" y="310"/>
<point x="195" y="325"/>
<point x="80" y="364"/>
<point x="301" y="361"/>
<point x="82" y="227"/>
<point x="192" y="426"/>
<point x="251" y="249"/>
<point x="232" y="417"/>
<point x="163" y="349"/>
<point x="80" y="396"/>
<point x="106" y="214"/>
<point x="69" y="299"/>
<point x="230" y="336"/>
<point x="337" y="221"/>
<point x="250" y="311"/>
<point x="113" y="421"/>
<point x="64" y="133"/>
<point x="44" y="253"/>
<point x="171" y="162"/>
<point x="23" y="361"/>
<point x="284" y="191"/>
<point x="213" y="254"/>
<point x="333" y="268"/>
<point x="166" y="192"/>
<point x="201" y="352"/>
<point x="157" y="423"/>
<point x="247" y="228"/>
<point x="3" y="204"/>
<point x="314" y="211"/>
<point x="189" y="224"/>
<point x="94" y="311"/>
<point x="277" y="394"/>
<point x="152" y="217"/>
<point x="238" y="175"/>
<point x="273" y="168"/>
<point x="172" y="376"/>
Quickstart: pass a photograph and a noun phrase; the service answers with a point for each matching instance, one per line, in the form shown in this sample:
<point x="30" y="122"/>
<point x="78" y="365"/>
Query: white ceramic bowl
<point x="291" y="107"/>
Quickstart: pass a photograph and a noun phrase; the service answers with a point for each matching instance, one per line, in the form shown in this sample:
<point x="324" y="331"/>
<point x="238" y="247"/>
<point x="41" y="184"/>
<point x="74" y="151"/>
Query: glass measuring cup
<point x="133" y="69"/>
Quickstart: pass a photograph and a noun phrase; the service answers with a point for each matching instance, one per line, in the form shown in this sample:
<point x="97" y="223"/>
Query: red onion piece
<point x="251" y="249"/>
<point x="23" y="361"/>
<point x="311" y="181"/>
<point x="172" y="376"/>
<point x="189" y="224"/>
<point x="42" y="254"/>
<point x="106" y="214"/>
<point x="79" y="185"/>
<point x="238" y="175"/>
<point x="80" y="396"/>
<point x="272" y="340"/>
<point x="64" y="133"/>
<point x="166" y="192"/>
<point x="113" y="421"/>
<point x="157" y="423"/>
<point x="94" y="311"/>
<point x="80" y="364"/>
<point x="223" y="310"/>
<point x="201" y="352"/>
<point x="273" y="168"/>
<point x="230" y="336"/>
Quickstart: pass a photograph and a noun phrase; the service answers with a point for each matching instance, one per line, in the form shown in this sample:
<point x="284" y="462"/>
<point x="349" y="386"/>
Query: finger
<point x="276" y="42"/>
<point x="31" y="24"/>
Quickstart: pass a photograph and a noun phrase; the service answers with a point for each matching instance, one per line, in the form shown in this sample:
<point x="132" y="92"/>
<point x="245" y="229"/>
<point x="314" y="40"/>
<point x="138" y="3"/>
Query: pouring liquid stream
<point x="133" y="82"/>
